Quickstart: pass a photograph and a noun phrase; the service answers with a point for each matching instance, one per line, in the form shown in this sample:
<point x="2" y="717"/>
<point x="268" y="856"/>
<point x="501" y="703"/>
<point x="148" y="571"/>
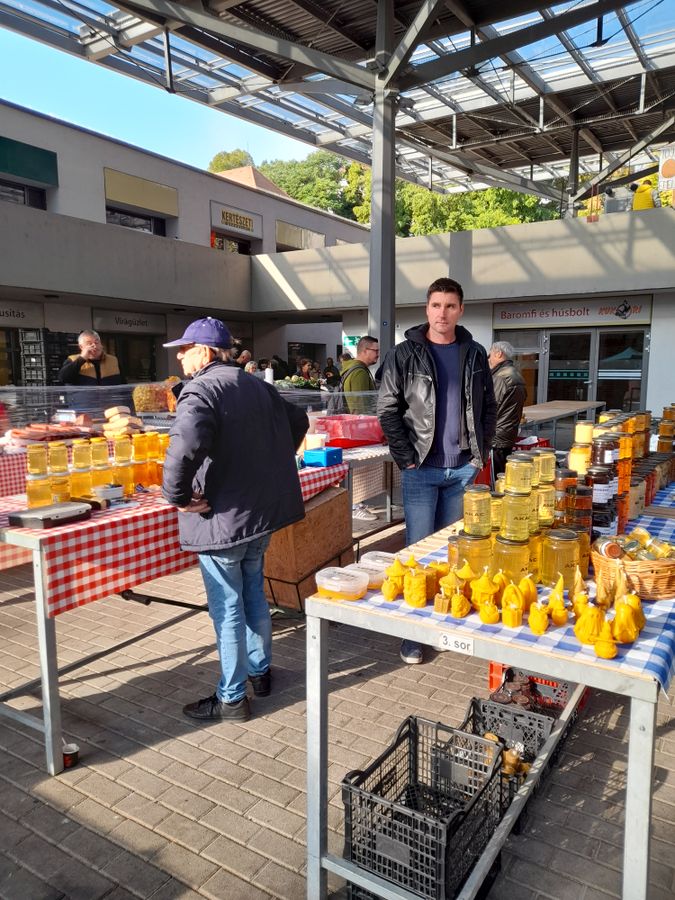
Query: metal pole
<point x="317" y="756"/>
<point x="51" y="707"/>
<point x="573" y="180"/>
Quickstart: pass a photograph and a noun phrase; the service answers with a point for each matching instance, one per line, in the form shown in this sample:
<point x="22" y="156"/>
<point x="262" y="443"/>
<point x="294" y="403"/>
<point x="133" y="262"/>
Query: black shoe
<point x="262" y="684"/>
<point x="211" y="708"/>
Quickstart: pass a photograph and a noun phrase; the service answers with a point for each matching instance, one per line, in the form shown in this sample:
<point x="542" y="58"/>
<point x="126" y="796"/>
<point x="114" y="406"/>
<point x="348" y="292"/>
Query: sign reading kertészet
<point x="563" y="313"/>
<point x="240" y="221"/>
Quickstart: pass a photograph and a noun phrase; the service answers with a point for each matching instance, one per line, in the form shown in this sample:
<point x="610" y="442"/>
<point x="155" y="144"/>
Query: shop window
<point x="23" y="194"/>
<point x="229" y="244"/>
<point x="295" y="237"/>
<point x="137" y="221"/>
<point x="9" y="357"/>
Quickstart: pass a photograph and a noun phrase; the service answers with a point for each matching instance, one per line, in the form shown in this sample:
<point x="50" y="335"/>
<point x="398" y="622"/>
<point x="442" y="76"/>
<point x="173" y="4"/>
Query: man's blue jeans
<point x="433" y="498"/>
<point x="241" y="615"/>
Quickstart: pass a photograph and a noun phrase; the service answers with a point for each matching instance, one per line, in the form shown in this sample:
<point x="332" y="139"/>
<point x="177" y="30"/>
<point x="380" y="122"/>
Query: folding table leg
<point x="638" y="799"/>
<point x="317" y="755"/>
<point x="51" y="705"/>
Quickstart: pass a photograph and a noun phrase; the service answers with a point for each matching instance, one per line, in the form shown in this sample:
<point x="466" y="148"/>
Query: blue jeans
<point x="433" y="498"/>
<point x="241" y="615"/>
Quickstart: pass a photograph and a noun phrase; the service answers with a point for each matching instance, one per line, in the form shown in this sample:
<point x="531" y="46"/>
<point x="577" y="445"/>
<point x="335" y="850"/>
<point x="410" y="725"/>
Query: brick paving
<point x="162" y="808"/>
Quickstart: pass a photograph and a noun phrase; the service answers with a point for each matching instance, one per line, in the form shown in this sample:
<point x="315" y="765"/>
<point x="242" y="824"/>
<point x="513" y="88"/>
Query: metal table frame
<point x="642" y="690"/>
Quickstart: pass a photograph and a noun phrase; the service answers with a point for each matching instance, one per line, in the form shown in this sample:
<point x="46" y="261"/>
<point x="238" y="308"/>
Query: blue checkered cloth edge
<point x="657" y="526"/>
<point x="652" y="654"/>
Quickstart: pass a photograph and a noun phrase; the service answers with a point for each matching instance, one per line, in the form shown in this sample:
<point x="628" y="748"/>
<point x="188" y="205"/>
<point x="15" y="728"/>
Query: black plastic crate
<point x="32" y="334"/>
<point x="423" y="812"/>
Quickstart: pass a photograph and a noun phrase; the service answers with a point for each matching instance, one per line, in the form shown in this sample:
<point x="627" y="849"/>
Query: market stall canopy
<point x="486" y="93"/>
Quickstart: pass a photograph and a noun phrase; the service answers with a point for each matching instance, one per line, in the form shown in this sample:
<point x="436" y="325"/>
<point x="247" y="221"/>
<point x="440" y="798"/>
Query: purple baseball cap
<point x="208" y="331"/>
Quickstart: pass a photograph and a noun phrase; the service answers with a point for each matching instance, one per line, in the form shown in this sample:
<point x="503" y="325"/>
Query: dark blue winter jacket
<point x="234" y="441"/>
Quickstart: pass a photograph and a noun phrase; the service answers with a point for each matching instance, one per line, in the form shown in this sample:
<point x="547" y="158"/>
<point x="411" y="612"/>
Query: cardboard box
<point x="322" y="538"/>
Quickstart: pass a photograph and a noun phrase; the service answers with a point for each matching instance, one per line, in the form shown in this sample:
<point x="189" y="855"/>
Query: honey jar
<point x="60" y="485"/>
<point x="546" y="508"/>
<point x="99" y="452"/>
<point x="140" y="447"/>
<point x="500" y="483"/>
<point x="81" y="454"/>
<point x="515" y="516"/>
<point x="152" y="438"/>
<point x="36" y="459"/>
<point x="584" y="539"/>
<point x="101" y="475"/>
<point x="38" y="490"/>
<point x="477" y="512"/>
<point x="58" y="457"/>
<point x="583" y="431"/>
<point x="559" y="556"/>
<point x="533" y="524"/>
<point x="496" y="503"/>
<point x="122" y="449"/>
<point x="518" y="474"/>
<point x="163" y="445"/>
<point x="512" y="557"/>
<point x="535" y="542"/>
<point x="546" y="466"/>
<point x="124" y="474"/>
<point x="475" y="550"/>
<point x="579" y="458"/>
<point x="80" y="482"/>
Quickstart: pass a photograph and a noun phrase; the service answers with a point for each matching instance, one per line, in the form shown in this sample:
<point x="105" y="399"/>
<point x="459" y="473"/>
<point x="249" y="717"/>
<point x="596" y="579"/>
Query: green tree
<point x="319" y="180"/>
<point x="230" y="159"/>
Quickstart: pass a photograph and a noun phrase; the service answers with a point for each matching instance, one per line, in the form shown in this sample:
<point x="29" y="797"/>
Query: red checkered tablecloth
<point x="12" y="473"/>
<point x="111" y="552"/>
<point x="314" y="479"/>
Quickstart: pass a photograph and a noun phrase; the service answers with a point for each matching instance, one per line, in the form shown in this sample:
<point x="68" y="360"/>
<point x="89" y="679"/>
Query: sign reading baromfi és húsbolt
<point x="563" y="313"/>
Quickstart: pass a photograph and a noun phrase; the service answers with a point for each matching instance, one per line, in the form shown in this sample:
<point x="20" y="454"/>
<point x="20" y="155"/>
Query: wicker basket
<point x="649" y="579"/>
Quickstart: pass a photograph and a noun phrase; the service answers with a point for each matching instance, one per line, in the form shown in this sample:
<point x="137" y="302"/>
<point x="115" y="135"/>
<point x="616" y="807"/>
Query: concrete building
<point x="590" y="307"/>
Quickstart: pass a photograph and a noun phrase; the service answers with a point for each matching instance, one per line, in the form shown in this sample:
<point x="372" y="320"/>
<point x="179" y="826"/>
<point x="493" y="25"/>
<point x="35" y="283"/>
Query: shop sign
<point x="667" y="168"/>
<point x="237" y="221"/>
<point x="129" y="322"/>
<point x="15" y="314"/>
<point x="563" y="313"/>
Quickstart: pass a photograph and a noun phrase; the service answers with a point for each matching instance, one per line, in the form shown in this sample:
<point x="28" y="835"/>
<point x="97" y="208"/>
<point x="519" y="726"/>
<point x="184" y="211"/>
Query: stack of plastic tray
<point x="518" y="728"/>
<point x="550" y="696"/>
<point x="423" y="812"/>
<point x="43" y="352"/>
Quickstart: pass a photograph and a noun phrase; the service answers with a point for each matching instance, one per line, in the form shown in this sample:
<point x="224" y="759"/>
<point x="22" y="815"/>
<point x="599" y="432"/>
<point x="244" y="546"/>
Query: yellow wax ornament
<point x="391" y="588"/>
<point x="432" y="581"/>
<point x="579" y="604"/>
<point x="538" y="618"/>
<point x="557" y="610"/>
<point x="624" y="627"/>
<point x="579" y="586"/>
<point x="483" y="590"/>
<point x="558" y="591"/>
<point x="411" y="562"/>
<point x="459" y="606"/>
<point x="605" y="646"/>
<point x="588" y="625"/>
<point x="513" y="596"/>
<point x="396" y="569"/>
<point x="448" y="584"/>
<point x="501" y="582"/>
<point x="512" y="616"/>
<point x="466" y="573"/>
<point x="489" y="612"/>
<point x="442" y="603"/>
<point x="415" y="588"/>
<point x="441" y="569"/>
<point x="528" y="589"/>
<point x="620" y="583"/>
<point x="604" y="595"/>
<point x="634" y="601"/>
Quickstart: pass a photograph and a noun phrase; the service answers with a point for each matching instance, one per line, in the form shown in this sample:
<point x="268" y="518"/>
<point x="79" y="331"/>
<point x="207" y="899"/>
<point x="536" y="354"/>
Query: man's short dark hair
<point x="366" y="342"/>
<point x="446" y="286"/>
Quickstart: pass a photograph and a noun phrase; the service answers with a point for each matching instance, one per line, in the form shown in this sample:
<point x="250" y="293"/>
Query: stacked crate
<point x="43" y="352"/>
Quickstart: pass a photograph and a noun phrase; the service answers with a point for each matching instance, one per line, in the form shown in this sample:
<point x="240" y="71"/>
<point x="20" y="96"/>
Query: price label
<point x="455" y="644"/>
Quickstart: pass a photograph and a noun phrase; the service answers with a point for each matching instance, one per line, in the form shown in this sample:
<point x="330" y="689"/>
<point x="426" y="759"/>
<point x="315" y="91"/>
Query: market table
<point x="371" y="471"/>
<point x="638" y="673"/>
<point x="554" y="410"/>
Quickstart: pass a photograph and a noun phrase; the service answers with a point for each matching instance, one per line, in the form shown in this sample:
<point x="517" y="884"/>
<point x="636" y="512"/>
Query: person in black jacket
<point x="231" y="495"/>
<point x="510" y="394"/>
<point x="436" y="407"/>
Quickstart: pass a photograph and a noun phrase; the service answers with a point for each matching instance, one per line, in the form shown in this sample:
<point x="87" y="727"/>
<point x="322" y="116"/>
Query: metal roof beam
<point x="258" y="40"/>
<point x="626" y="155"/>
<point x="634" y="41"/>
<point x="105" y="42"/>
<point x="406" y="46"/>
<point x="478" y="53"/>
<point x="329" y="21"/>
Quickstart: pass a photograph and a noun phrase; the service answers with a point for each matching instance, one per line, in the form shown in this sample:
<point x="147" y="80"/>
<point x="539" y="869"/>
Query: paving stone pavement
<point x="163" y="808"/>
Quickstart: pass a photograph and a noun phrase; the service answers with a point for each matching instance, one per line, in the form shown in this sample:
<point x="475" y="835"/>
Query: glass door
<point x="570" y="371"/>
<point x="622" y="367"/>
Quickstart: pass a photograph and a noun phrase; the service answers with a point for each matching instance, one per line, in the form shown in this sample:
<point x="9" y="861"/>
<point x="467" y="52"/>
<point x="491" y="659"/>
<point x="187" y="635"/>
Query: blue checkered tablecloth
<point x="665" y="497"/>
<point x="652" y="654"/>
<point x="664" y="529"/>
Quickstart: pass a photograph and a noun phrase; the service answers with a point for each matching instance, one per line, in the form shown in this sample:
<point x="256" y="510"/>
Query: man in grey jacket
<point x="437" y="409"/>
<point x="231" y="495"/>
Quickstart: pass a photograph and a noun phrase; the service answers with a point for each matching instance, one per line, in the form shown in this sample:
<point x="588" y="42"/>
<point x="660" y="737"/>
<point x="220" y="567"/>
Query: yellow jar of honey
<point x="512" y="557"/>
<point x="99" y="452"/>
<point x="515" y="516"/>
<point x="81" y="454"/>
<point x="477" y="513"/>
<point x="546" y="504"/>
<point x="36" y="459"/>
<point x="152" y="444"/>
<point x="546" y="466"/>
<point x="58" y="457"/>
<point x="80" y="482"/>
<point x="584" y="539"/>
<point x="476" y="550"/>
<point x="124" y="474"/>
<point x="140" y="447"/>
<point x="534" y="510"/>
<point x="60" y="485"/>
<point x="518" y="475"/>
<point x="496" y="503"/>
<point x="534" y="565"/>
<point x="122" y="449"/>
<point x="101" y="475"/>
<point x="559" y="556"/>
<point x="163" y="445"/>
<point x="453" y="551"/>
<point x="38" y="491"/>
<point x="579" y="458"/>
<point x="500" y="483"/>
<point x="583" y="432"/>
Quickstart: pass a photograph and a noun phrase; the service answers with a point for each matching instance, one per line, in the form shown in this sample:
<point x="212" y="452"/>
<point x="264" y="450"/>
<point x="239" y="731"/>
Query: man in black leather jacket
<point x="436" y="407"/>
<point x="510" y="394"/>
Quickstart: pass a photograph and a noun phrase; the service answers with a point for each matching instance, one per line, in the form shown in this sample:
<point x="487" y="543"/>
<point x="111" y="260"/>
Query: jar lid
<point x="44" y="477"/>
<point x="562" y="534"/>
<point x="496" y="496"/>
<point x="583" y="491"/>
<point x="476" y="489"/>
<point x="566" y="473"/>
<point x="504" y="540"/>
<point x="521" y="455"/>
<point x="511" y="493"/>
<point x="474" y="537"/>
<point x="598" y="470"/>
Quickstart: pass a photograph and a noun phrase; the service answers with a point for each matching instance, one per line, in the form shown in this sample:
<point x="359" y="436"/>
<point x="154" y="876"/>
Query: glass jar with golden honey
<point x="559" y="556"/>
<point x="546" y="466"/>
<point x="36" y="459"/>
<point x="546" y="504"/>
<point x="533" y="456"/>
<point x="453" y="551"/>
<point x="515" y="516"/>
<point x="477" y="513"/>
<point x="518" y="475"/>
<point x="60" y="485"/>
<point x="81" y="454"/>
<point x="122" y="449"/>
<point x="38" y="491"/>
<point x="500" y="483"/>
<point x="579" y="458"/>
<point x="163" y="445"/>
<point x="140" y="447"/>
<point x="512" y="557"/>
<point x="533" y="524"/>
<point x="584" y="539"/>
<point x="535" y="542"/>
<point x="496" y="503"/>
<point x="101" y="475"/>
<point x="153" y="444"/>
<point x="124" y="474"/>
<point x="583" y="431"/>
<point x="80" y="482"/>
<point x="475" y="550"/>
<point x="58" y="457"/>
<point x="99" y="452"/>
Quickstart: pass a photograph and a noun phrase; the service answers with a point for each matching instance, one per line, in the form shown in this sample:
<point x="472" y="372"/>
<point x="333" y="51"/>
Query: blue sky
<point x="53" y="82"/>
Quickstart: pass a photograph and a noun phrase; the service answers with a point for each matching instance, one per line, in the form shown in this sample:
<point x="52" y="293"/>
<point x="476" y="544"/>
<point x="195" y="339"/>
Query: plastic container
<point x="377" y="558"/>
<point x="327" y="456"/>
<point x="341" y="584"/>
<point x="36" y="459"/>
<point x="477" y="512"/>
<point x="375" y="574"/>
<point x="423" y="812"/>
<point x="559" y="556"/>
<point x="355" y="429"/>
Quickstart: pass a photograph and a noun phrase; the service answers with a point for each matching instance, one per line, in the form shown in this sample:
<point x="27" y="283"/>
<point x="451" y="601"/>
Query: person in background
<point x="251" y="367"/>
<point x="304" y="368"/>
<point x="263" y="364"/>
<point x="436" y="406"/>
<point x="355" y="375"/>
<point x="282" y="369"/>
<point x="231" y="496"/>
<point x="92" y="365"/>
<point x="644" y="195"/>
<point x="331" y="373"/>
<point x="510" y="395"/>
<point x="244" y="357"/>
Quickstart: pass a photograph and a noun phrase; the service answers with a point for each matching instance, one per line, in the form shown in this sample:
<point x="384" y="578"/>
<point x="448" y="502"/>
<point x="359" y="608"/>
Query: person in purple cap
<point x="231" y="495"/>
